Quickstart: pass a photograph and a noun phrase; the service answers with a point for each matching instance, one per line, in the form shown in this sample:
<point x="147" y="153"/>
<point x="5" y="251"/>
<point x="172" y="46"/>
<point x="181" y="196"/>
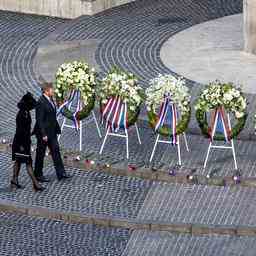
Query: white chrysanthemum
<point x="167" y="85"/>
<point x="75" y="75"/>
<point x="226" y="95"/>
<point x="119" y="83"/>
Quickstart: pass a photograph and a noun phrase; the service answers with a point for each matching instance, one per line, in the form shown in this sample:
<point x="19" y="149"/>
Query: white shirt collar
<point x="49" y="99"/>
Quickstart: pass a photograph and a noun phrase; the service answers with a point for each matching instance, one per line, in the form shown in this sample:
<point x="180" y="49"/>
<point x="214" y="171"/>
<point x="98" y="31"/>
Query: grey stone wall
<point x="250" y="26"/>
<point x="60" y="8"/>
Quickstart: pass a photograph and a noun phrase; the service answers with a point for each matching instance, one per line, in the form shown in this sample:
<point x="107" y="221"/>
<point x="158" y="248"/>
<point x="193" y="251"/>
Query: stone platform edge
<point x="59" y="8"/>
<point x="159" y="175"/>
<point x="131" y="224"/>
<point x="151" y="174"/>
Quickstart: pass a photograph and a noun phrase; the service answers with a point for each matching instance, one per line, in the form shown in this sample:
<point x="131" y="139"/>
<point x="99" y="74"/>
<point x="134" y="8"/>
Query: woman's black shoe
<point x="38" y="188"/>
<point x="64" y="176"/>
<point x="42" y="179"/>
<point x="16" y="185"/>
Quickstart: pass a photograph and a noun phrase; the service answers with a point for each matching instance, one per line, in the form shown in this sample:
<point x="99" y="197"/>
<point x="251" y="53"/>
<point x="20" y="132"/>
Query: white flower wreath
<point x="226" y="95"/>
<point x="178" y="92"/>
<point x="125" y="85"/>
<point x="75" y="76"/>
<point x="78" y="76"/>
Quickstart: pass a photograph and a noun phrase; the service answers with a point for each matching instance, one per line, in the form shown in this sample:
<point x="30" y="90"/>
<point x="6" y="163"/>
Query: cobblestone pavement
<point x="200" y="204"/>
<point x="220" y="161"/>
<point x="27" y="236"/>
<point x="89" y="193"/>
<point x="143" y="243"/>
<point x="94" y="193"/>
<point x="132" y="36"/>
<point x="19" y="37"/>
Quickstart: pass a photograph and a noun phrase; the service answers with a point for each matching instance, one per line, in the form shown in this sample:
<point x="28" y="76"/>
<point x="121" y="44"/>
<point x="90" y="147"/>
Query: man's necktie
<point x="52" y="102"/>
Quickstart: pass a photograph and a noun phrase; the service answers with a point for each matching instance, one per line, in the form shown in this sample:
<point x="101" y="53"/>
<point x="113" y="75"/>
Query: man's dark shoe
<point x="16" y="185"/>
<point x="42" y="179"/>
<point x="64" y="176"/>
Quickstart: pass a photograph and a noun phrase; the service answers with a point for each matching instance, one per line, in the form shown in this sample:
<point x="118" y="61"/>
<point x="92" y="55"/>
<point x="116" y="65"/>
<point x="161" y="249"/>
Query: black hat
<point x="27" y="102"/>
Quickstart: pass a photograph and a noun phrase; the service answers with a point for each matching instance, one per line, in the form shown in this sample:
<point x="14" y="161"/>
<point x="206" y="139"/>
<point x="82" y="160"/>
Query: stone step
<point x="25" y="235"/>
<point x="48" y="237"/>
<point x="159" y="175"/>
<point x="203" y="205"/>
<point x="89" y="193"/>
<point x="109" y="221"/>
<point x="145" y="243"/>
<point x="127" y="202"/>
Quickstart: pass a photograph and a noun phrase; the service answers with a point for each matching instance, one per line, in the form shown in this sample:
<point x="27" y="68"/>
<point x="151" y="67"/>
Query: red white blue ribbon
<point x="78" y="108"/>
<point x="168" y="116"/>
<point x="66" y="103"/>
<point x="219" y="123"/>
<point x="114" y="113"/>
<point x="74" y="95"/>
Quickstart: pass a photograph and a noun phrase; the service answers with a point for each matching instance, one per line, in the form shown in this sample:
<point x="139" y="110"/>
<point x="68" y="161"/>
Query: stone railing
<point x="60" y="8"/>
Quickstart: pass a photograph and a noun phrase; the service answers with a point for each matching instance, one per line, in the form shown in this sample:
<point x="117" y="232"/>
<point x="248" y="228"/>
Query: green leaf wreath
<point x="76" y="75"/>
<point x="125" y="85"/>
<point x="179" y="94"/>
<point x="226" y="95"/>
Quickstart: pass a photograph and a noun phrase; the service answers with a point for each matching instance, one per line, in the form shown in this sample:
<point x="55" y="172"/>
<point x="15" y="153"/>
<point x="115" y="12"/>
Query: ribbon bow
<point x="115" y="114"/>
<point x="220" y="124"/>
<point x="168" y="114"/>
<point x="74" y="95"/>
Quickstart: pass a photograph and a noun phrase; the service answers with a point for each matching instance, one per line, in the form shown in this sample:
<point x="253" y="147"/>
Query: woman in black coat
<point x="21" y="147"/>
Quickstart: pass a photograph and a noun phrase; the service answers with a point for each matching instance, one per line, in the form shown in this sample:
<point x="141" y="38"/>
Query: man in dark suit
<point x="46" y="131"/>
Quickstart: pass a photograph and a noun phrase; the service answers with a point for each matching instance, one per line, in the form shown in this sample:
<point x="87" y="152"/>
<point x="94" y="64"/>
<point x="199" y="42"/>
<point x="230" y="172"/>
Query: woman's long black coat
<point x="22" y="139"/>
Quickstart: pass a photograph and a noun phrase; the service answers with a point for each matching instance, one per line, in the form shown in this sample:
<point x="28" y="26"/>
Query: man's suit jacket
<point x="46" y="120"/>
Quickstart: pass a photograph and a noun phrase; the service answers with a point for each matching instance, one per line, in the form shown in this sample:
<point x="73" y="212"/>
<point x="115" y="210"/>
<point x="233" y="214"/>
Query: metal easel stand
<point x="232" y="147"/>
<point x="80" y="128"/>
<point x="169" y="142"/>
<point x="125" y="135"/>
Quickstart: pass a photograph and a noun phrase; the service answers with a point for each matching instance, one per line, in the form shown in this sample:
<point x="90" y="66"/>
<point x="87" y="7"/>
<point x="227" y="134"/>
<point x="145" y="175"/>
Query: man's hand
<point x="45" y="138"/>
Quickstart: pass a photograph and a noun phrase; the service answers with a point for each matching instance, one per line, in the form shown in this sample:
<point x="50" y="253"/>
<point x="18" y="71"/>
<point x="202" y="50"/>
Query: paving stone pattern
<point x="143" y="243"/>
<point x="220" y="161"/>
<point x="200" y="205"/>
<point x="19" y="37"/>
<point x="89" y="193"/>
<point x="131" y="37"/>
<point x="150" y="23"/>
<point x="94" y="193"/>
<point x="29" y="236"/>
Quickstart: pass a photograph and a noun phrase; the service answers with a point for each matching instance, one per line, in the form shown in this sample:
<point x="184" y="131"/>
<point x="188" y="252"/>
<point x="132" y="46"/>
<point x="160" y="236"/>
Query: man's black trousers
<point x="54" y="148"/>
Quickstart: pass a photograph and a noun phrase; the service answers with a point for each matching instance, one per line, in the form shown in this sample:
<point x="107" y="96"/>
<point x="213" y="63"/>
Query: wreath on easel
<point x="122" y="85"/>
<point x="176" y="90"/>
<point x="221" y="95"/>
<point x="75" y="82"/>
